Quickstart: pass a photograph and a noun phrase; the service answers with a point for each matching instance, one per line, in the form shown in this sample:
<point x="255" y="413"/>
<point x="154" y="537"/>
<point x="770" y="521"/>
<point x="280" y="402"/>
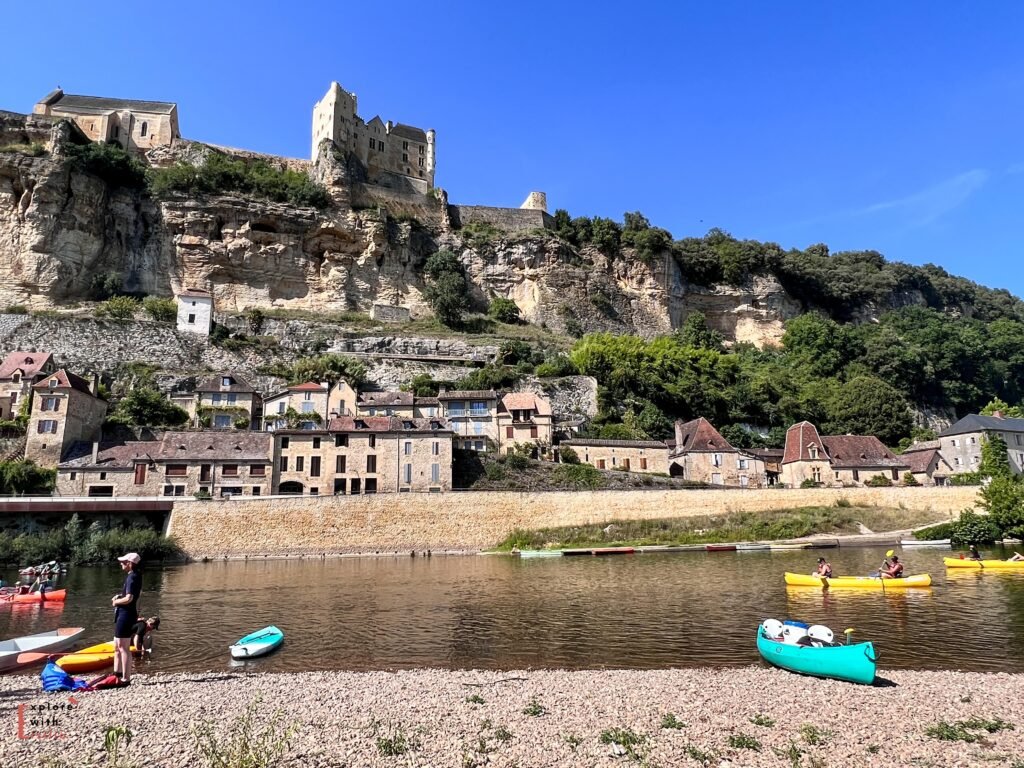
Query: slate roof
<point x="216" y="446"/>
<point x="65" y="380"/>
<point x="29" y="363"/>
<point x="583" y="442"/>
<point x="383" y="424"/>
<point x="926" y="445"/>
<point x="409" y="132"/>
<point x="102" y="104"/>
<point x="469" y="394"/>
<point x="698" y="436"/>
<point x="976" y="423"/>
<point x="426" y="401"/>
<point x="860" y="451"/>
<point x="799" y="438"/>
<point x="384" y="399"/>
<point x="526" y="401"/>
<point x="213" y="384"/>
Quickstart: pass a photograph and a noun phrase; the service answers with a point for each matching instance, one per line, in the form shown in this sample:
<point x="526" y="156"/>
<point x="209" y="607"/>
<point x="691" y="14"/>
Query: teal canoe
<point x="259" y="643"/>
<point x="852" y="663"/>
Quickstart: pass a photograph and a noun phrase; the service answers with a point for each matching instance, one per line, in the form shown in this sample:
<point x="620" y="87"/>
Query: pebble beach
<point x="752" y="716"/>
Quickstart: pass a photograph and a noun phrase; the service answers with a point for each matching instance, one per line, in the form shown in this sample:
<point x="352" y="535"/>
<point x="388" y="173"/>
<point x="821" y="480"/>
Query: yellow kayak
<point x="89" y="659"/>
<point x="985" y="565"/>
<point x="858" y="582"/>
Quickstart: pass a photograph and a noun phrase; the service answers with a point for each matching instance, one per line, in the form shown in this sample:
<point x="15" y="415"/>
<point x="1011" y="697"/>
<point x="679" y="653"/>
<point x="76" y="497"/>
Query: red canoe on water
<point x="720" y="547"/>
<point x="56" y="596"/>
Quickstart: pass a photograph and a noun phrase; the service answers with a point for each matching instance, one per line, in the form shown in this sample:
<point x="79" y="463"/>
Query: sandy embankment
<point x="351" y="719"/>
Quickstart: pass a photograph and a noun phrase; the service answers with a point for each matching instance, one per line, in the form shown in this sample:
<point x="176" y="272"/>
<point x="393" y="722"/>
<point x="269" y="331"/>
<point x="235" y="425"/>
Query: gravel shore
<point x="536" y="718"/>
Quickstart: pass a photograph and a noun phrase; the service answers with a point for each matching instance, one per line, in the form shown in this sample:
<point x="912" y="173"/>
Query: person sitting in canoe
<point x="142" y="634"/>
<point x="824" y="569"/>
<point x="1017" y="557"/>
<point x="973" y="553"/>
<point x="893" y="570"/>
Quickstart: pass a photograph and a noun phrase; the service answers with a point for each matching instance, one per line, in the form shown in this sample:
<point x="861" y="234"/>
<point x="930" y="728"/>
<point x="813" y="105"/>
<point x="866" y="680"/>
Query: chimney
<point x="999" y="415"/>
<point x="94" y="385"/>
<point x="95" y="452"/>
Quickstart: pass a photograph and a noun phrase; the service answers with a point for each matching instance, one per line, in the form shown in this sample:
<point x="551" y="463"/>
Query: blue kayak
<point x="259" y="643"/>
<point x="852" y="663"/>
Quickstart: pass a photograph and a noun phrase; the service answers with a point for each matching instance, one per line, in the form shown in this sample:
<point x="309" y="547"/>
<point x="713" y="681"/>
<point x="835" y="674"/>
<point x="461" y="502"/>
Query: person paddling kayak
<point x="824" y="569"/>
<point x="893" y="570"/>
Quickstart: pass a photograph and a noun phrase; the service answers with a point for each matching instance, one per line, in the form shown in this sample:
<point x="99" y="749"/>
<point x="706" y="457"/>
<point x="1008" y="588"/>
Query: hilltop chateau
<point x="393" y="154"/>
<point x="135" y="125"/>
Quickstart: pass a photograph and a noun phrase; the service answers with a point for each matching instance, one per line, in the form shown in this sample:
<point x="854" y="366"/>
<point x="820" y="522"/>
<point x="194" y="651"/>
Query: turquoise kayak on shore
<point x="259" y="643"/>
<point x="852" y="663"/>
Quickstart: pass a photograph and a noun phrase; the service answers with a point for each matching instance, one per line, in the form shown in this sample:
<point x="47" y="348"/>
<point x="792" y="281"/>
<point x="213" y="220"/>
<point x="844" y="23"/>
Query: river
<point x="644" y="611"/>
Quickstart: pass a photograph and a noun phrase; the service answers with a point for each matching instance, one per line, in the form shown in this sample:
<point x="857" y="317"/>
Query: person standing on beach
<point x="126" y="613"/>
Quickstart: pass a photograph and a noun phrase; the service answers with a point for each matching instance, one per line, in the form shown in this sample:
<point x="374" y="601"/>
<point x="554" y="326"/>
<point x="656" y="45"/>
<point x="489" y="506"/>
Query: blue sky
<point x="890" y="126"/>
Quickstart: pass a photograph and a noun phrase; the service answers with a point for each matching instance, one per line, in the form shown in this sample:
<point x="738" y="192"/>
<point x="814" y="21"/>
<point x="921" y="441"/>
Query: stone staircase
<point x="13" y="449"/>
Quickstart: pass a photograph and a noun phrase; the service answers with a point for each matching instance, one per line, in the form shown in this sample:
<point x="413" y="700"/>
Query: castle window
<point x="405" y="157"/>
<point x="421" y="162"/>
<point x="421" y="149"/>
<point x="371" y="142"/>
<point x="380" y="146"/>
<point x="405" y="145"/>
<point x="144" y="129"/>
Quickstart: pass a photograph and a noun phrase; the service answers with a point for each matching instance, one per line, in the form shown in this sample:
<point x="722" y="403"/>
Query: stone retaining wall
<point x="477" y="520"/>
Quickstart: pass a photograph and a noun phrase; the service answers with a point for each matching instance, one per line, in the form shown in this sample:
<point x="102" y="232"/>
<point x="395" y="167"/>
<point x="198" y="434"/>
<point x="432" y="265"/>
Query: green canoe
<point x="853" y="663"/>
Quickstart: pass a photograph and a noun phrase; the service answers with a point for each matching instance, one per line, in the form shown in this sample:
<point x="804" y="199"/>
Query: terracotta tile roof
<point x="213" y="384"/>
<point x="216" y="446"/>
<point x="858" y="451"/>
<point x="698" y="436"/>
<point x="799" y="438"/>
<point x="309" y="386"/>
<point x="65" y="380"/>
<point x="584" y="442"/>
<point x="385" y="424"/>
<point x="469" y="394"/>
<point x="526" y="401"/>
<point x="111" y="456"/>
<point x="919" y="461"/>
<point x="383" y="399"/>
<point x="29" y="363"/>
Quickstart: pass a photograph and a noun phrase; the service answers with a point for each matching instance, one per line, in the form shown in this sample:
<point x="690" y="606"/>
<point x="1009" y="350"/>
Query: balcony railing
<point x="472" y="412"/>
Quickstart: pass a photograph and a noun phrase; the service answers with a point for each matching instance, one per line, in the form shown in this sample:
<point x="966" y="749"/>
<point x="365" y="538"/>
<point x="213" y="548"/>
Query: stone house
<point x="960" y="444"/>
<point x="19" y="372"/>
<point x="305" y="404"/>
<point x="927" y="464"/>
<point x="65" y="410"/>
<point x="399" y="404"/>
<point x="627" y="455"/>
<point x="342" y="400"/>
<point x="524" y="418"/>
<point x="195" y="311"/>
<point x="426" y="407"/>
<point x="224" y="401"/>
<point x="702" y="455"/>
<point x="360" y="455"/>
<point x="836" y="460"/>
<point x="135" y="125"/>
<point x="772" y="458"/>
<point x="394" y="155"/>
<point x="473" y="416"/>
<point x="178" y="464"/>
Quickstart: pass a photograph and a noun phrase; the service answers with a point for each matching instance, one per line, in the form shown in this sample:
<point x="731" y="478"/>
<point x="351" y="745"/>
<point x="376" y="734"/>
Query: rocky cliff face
<point x="59" y="228"/>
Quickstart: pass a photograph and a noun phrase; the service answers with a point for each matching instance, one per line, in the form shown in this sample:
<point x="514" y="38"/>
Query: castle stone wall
<point x="509" y="219"/>
<point x="477" y="520"/>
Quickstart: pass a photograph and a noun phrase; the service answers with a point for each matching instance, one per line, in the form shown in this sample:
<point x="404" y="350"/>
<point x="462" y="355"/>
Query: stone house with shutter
<point x="19" y="371"/>
<point x="626" y="455"/>
<point x="473" y="416"/>
<point x="224" y="401"/>
<point x="65" y="410"/>
<point x="926" y="463"/>
<point x="837" y="460"/>
<point x="306" y="404"/>
<point x="364" y="454"/>
<point x="960" y="444"/>
<point x="702" y="455"/>
<point x="524" y="418"/>
<point x="399" y="404"/>
<point x="804" y="457"/>
<point x="220" y="464"/>
<point x="135" y="125"/>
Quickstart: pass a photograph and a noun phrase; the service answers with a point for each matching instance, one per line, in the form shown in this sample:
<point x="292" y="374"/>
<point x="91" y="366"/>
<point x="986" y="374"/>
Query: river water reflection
<point x="497" y="612"/>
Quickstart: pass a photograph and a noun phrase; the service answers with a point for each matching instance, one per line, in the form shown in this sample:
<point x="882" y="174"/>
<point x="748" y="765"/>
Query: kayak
<point x="56" y="596"/>
<point x="984" y="565"/>
<point x="540" y="553"/>
<point x="858" y="582"/>
<point x="924" y="543"/>
<point x="32" y="649"/>
<point x="89" y="659"/>
<point x="259" y="643"/>
<point x="852" y="663"/>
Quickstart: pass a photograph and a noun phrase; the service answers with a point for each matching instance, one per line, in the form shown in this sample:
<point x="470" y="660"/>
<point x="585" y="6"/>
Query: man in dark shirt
<point x="126" y="613"/>
<point x="142" y="637"/>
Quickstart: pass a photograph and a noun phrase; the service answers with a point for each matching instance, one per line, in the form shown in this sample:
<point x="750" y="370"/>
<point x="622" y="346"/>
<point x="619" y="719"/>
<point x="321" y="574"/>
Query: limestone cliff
<point x="60" y="227"/>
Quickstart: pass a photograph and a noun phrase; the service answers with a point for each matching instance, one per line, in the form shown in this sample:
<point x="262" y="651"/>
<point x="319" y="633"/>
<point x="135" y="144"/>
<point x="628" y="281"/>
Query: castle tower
<point x="431" y="157"/>
<point x="536" y="201"/>
<point x="334" y="118"/>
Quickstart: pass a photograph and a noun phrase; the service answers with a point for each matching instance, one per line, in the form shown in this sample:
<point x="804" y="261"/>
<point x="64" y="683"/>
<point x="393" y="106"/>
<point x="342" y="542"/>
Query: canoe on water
<point x="852" y="663"/>
<point x="56" y="596"/>
<point x="89" y="659"/>
<point x="985" y="565"/>
<point x="259" y="643"/>
<point x="858" y="582"/>
<point x="540" y="553"/>
<point x="32" y="649"/>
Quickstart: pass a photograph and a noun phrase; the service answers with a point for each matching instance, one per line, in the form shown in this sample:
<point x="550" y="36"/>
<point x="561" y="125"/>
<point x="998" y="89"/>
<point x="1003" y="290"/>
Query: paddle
<point x="848" y="632"/>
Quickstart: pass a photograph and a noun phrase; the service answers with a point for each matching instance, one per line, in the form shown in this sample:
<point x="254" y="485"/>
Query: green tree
<point x="1003" y="497"/>
<point x="446" y="291"/>
<point x="25" y="477"/>
<point x="995" y="405"/>
<point x="504" y="311"/>
<point x="817" y="343"/>
<point x="995" y="461"/>
<point x="147" y="407"/>
<point x="695" y="332"/>
<point x="160" y="309"/>
<point x="119" y="308"/>
<point x="869" y="406"/>
<point x="328" y="368"/>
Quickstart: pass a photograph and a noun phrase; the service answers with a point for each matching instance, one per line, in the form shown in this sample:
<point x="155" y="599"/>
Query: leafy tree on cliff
<point x="696" y="333"/>
<point x="504" y="311"/>
<point x="817" y="343"/>
<point x="23" y="476"/>
<point x="868" y="406"/>
<point x="147" y="407"/>
<point x="995" y="405"/>
<point x="329" y="368"/>
<point x="446" y="291"/>
<point x="638" y="233"/>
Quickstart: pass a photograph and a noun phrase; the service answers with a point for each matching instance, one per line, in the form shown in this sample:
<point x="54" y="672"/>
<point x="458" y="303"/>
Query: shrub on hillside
<point x="118" y="308"/>
<point x="878" y="481"/>
<point x="109" y="162"/>
<point x="160" y="309"/>
<point x="504" y="311"/>
<point x="568" y="455"/>
<point x="583" y="476"/>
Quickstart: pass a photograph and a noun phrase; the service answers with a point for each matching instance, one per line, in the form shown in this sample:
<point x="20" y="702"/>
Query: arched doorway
<point x="291" y="488"/>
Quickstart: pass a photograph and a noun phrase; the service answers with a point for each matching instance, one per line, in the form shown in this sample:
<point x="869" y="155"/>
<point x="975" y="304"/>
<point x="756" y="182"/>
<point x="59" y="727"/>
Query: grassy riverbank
<point x="749" y="716"/>
<point x="710" y="529"/>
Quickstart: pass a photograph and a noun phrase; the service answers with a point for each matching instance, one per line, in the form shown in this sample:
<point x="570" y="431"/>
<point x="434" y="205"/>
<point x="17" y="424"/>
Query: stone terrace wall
<point x="509" y="219"/>
<point x="391" y="522"/>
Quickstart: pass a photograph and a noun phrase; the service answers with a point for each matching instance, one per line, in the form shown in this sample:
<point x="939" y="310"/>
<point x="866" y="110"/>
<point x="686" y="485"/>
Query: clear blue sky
<point x="892" y="126"/>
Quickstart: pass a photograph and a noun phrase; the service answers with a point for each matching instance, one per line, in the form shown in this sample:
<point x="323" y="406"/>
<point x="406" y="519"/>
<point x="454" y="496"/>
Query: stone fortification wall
<point x="390" y="522"/>
<point x="398" y="202"/>
<point x="509" y="219"/>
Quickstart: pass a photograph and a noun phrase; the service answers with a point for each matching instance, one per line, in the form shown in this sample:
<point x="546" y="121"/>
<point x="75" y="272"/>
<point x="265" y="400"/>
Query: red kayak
<point x="56" y="596"/>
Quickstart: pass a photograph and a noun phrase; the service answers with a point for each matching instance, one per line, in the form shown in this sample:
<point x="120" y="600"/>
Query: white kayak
<point x="31" y="649"/>
<point x="259" y="643"/>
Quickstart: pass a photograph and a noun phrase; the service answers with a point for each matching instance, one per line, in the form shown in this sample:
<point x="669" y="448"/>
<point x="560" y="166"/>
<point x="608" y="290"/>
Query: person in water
<point x="126" y="613"/>
<point x="893" y="570"/>
<point x="824" y="569"/>
<point x="142" y="634"/>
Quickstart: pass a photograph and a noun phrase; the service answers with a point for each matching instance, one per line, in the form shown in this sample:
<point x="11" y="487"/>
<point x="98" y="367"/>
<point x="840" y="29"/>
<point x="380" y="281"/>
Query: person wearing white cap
<point x="126" y="613"/>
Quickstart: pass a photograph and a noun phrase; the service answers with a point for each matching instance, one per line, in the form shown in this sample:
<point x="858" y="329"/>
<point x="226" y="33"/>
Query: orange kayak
<point x="89" y="659"/>
<point x="56" y="596"/>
